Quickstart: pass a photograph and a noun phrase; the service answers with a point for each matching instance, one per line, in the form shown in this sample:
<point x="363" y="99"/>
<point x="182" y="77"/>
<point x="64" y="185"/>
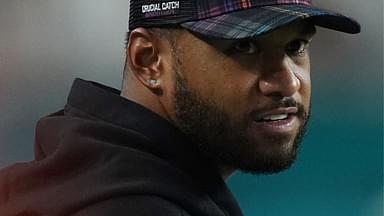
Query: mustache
<point x="291" y="102"/>
<point x="285" y="103"/>
<point x="282" y="103"/>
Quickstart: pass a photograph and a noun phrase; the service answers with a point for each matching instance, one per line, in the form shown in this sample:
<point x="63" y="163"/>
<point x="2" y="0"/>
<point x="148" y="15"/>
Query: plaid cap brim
<point x="260" y="20"/>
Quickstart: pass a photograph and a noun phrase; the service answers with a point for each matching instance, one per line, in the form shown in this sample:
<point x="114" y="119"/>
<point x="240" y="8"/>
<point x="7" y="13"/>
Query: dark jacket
<point x="106" y="155"/>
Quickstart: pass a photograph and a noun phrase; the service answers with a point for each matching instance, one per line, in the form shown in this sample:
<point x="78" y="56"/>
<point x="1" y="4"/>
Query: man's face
<point x="245" y="102"/>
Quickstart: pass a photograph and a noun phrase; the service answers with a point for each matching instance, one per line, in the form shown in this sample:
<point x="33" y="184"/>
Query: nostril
<point x="284" y="83"/>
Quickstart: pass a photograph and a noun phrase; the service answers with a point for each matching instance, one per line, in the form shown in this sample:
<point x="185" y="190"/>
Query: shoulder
<point x="144" y="205"/>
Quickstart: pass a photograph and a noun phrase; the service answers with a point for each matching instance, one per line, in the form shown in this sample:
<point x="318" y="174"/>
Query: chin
<point x="269" y="164"/>
<point x="270" y="155"/>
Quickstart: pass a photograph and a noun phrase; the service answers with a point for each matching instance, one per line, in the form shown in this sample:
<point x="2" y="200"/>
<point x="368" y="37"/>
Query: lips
<point x="275" y="114"/>
<point x="277" y="121"/>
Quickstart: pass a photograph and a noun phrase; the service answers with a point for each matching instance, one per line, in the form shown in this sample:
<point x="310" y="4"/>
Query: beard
<point x="223" y="138"/>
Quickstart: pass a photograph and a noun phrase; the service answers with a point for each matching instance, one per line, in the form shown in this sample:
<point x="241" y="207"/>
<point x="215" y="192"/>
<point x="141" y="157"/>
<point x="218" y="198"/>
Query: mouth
<point x="276" y="117"/>
<point x="277" y="114"/>
<point x="277" y="121"/>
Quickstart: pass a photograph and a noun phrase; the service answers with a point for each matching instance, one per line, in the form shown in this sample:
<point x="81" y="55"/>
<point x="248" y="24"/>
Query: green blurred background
<point x="45" y="44"/>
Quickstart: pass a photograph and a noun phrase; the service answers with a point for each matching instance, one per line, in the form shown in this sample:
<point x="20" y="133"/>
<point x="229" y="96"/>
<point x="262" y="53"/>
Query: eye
<point x="247" y="47"/>
<point x="297" y="47"/>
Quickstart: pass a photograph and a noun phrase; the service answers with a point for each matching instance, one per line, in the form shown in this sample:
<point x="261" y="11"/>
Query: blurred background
<point x="45" y="44"/>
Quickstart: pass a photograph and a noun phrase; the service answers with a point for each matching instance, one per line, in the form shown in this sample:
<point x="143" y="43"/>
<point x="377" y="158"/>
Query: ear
<point x="144" y="59"/>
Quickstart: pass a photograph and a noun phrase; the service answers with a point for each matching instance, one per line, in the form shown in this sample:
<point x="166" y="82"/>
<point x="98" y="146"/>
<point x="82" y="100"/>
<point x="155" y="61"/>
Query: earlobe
<point x="143" y="57"/>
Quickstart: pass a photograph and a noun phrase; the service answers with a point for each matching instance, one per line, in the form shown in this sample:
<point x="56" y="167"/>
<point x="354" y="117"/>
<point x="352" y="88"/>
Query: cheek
<point x="218" y="78"/>
<point x="234" y="89"/>
<point x="305" y="90"/>
<point x="209" y="72"/>
<point x="223" y="82"/>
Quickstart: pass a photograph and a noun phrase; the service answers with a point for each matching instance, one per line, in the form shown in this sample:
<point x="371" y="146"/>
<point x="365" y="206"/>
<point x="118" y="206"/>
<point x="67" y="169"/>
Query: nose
<point x="279" y="78"/>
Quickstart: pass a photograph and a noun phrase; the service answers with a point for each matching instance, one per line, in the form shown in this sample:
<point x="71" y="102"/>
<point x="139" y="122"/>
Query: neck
<point x="133" y="90"/>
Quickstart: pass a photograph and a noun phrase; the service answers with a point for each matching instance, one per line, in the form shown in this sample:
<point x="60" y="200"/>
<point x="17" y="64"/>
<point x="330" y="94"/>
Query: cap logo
<point x="160" y="9"/>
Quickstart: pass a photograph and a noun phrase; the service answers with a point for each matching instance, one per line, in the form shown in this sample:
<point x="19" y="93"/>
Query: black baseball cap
<point x="234" y="19"/>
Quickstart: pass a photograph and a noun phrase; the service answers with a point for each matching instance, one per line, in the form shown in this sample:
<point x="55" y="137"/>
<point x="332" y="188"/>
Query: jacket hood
<point x="82" y="159"/>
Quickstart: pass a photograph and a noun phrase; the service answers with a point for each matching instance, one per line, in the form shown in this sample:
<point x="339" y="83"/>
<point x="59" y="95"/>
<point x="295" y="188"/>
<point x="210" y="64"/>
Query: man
<point x="210" y="87"/>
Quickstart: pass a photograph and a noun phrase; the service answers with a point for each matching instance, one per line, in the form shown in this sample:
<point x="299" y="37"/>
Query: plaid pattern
<point x="211" y="8"/>
<point x="259" y="21"/>
<point x="236" y="19"/>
